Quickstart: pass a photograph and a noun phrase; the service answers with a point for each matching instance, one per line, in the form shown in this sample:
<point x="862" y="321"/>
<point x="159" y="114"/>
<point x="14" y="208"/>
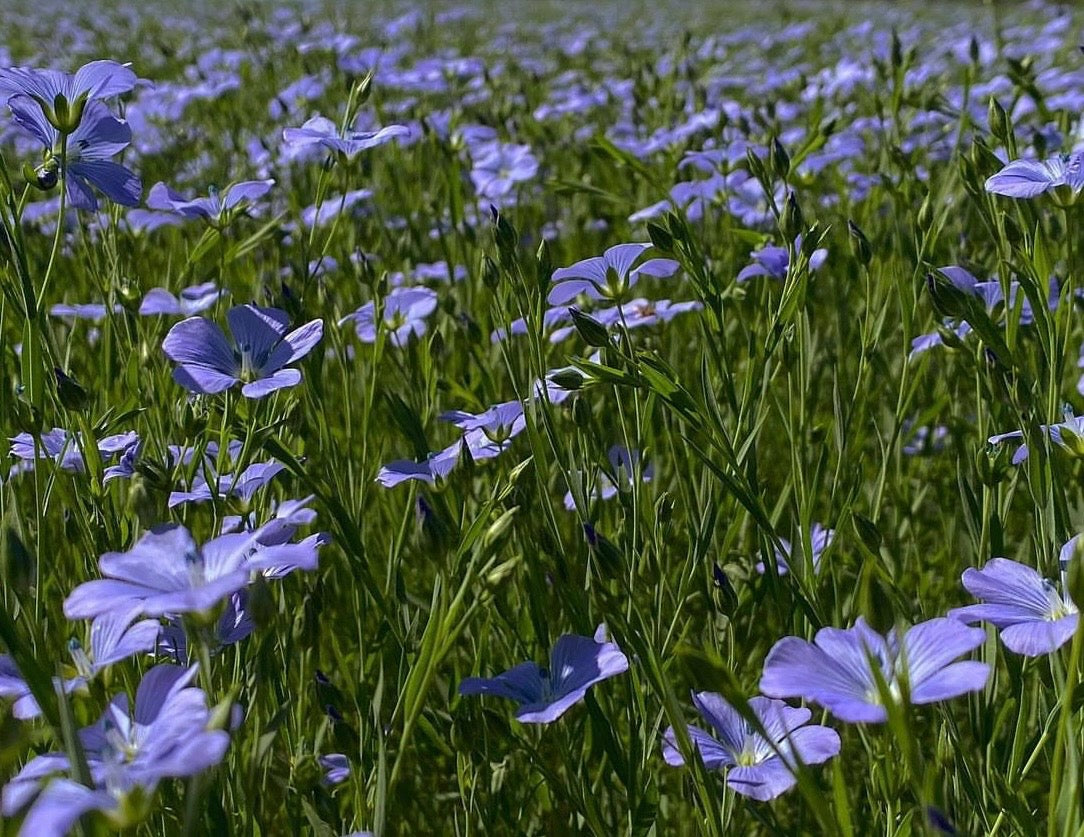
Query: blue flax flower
<point x="100" y="135"/>
<point x="607" y="276"/>
<point x="216" y="207"/>
<point x="772" y="261"/>
<point x="113" y="637"/>
<point x="834" y="671"/>
<point x="322" y="131"/>
<point x="232" y="626"/>
<point x="1033" y="617"/>
<point x="820" y="538"/>
<point x="404" y="316"/>
<point x="758" y="767"/>
<point x="336" y="768"/>
<point x="63" y="448"/>
<point x="165" y="736"/>
<point x="544" y="695"/>
<point x="96" y="80"/>
<point x="623" y="464"/>
<point x="1031" y="178"/>
<point x="166" y="572"/>
<point x="262" y="349"/>
<point x="1063" y="434"/>
<point x="242" y="486"/>
<point x="189" y="301"/>
<point x="498" y="167"/>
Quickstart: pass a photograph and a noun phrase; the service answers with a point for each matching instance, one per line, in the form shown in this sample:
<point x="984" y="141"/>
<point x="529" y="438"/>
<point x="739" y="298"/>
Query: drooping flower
<point x="336" y="768"/>
<point x="87" y="150"/>
<point x="623" y="465"/>
<point x="607" y="276"/>
<point x="262" y="349"/>
<point x="166" y="572"/>
<point x="214" y="208"/>
<point x="820" y="538"/>
<point x="232" y="626"/>
<point x="1032" y="616"/>
<point x="243" y="485"/>
<point x="165" y="736"/>
<point x="189" y="301"/>
<point x="113" y="637"/>
<point x="1074" y="425"/>
<point x="758" y="767"/>
<point x="285" y="519"/>
<point x="322" y="131"/>
<point x="1031" y="178"/>
<point x="544" y="695"/>
<point x="772" y="261"/>
<point x="404" y="316"/>
<point x="834" y="671"/>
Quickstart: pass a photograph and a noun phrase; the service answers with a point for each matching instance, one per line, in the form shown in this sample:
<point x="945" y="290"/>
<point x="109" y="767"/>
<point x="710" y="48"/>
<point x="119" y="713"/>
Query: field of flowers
<point x="558" y="419"/>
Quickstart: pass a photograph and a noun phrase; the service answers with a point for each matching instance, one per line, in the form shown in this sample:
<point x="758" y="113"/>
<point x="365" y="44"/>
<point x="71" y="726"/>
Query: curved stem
<point x="59" y="220"/>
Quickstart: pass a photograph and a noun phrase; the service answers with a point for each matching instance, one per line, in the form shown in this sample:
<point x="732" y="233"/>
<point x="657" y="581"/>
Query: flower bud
<point x="792" y="221"/>
<point x="860" y="245"/>
<point x="780" y="159"/>
<point x="660" y="237"/>
<point x="591" y="330"/>
<point x="948" y="300"/>
<point x="1074" y="579"/>
<point x="569" y="379"/>
<point x="998" y="121"/>
<point x="70" y="393"/>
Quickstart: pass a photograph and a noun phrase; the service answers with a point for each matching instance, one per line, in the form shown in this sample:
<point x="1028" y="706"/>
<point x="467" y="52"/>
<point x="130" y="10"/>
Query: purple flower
<point x="336" y="767"/>
<point x="1074" y="425"/>
<point x="113" y="638"/>
<point x="435" y="466"/>
<point x="925" y="440"/>
<point x="316" y="215"/>
<point x="607" y="276"/>
<point x="63" y="448"/>
<point x="404" y="316"/>
<point x="100" y="135"/>
<point x="213" y="208"/>
<point x="1033" y="617"/>
<point x="820" y="539"/>
<point x="498" y="167"/>
<point x="232" y="626"/>
<point x="322" y="131"/>
<point x="209" y="364"/>
<point x="576" y="664"/>
<point x="1031" y="178"/>
<point x="243" y="486"/>
<point x="551" y="319"/>
<point x="500" y="422"/>
<point x="758" y="767"/>
<point x="93" y="311"/>
<point x="623" y="464"/>
<point x="638" y="313"/>
<point x="773" y="261"/>
<point x="166" y="572"/>
<point x="166" y="736"/>
<point x="834" y="671"/>
<point x="95" y="80"/>
<point x="189" y="301"/>
<point x="286" y="517"/>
